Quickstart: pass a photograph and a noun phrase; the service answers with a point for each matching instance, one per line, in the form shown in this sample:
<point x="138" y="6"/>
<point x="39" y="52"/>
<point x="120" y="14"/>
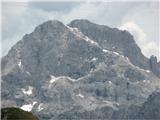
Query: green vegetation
<point x="13" y="113"/>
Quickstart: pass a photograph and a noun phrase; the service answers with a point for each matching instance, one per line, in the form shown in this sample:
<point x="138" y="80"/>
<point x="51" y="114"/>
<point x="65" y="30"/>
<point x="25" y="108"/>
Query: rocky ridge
<point x="81" y="70"/>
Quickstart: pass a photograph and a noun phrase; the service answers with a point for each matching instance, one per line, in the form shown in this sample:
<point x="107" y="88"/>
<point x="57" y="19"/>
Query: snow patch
<point x="127" y="59"/>
<point x="117" y="104"/>
<point x="78" y="33"/>
<point x="80" y="95"/>
<point x="122" y="56"/>
<point x="110" y="82"/>
<point x="91" y="41"/>
<point x="148" y="71"/>
<point x="28" y="107"/>
<point x="66" y="77"/>
<point x="146" y="81"/>
<point x="28" y="73"/>
<point x="40" y="107"/>
<point x="116" y="53"/>
<point x="105" y="51"/>
<point x="73" y="80"/>
<point x="29" y="91"/>
<point x="53" y="79"/>
<point x="20" y="63"/>
<point x="94" y="59"/>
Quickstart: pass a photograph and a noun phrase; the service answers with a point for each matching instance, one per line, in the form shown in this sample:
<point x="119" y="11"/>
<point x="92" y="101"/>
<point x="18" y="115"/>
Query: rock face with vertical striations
<point x="78" y="71"/>
<point x="154" y="65"/>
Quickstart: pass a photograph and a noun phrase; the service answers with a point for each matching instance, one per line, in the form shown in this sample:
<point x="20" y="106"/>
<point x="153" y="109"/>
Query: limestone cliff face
<point x="154" y="65"/>
<point x="117" y="40"/>
<point x="81" y="70"/>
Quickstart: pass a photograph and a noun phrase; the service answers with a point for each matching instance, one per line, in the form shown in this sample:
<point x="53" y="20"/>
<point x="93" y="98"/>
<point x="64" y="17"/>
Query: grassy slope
<point x="13" y="113"/>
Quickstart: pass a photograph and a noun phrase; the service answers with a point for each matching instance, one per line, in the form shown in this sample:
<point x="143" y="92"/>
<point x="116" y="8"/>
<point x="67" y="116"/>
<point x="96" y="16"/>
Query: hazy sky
<point x="140" y="18"/>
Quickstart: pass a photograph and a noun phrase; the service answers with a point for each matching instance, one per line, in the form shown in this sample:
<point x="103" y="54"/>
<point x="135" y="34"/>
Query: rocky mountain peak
<point x="116" y="40"/>
<point x="154" y="65"/>
<point x="77" y="70"/>
<point x="49" y="28"/>
<point x="153" y="59"/>
<point x="84" y="24"/>
<point x="50" y="24"/>
<point x="81" y="22"/>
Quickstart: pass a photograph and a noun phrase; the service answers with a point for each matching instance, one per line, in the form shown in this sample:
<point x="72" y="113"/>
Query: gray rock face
<point x="116" y="40"/>
<point x="154" y="65"/>
<point x="80" y="71"/>
<point x="151" y="108"/>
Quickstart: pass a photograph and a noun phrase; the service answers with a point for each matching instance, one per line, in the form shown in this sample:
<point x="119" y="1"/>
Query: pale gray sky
<point x="139" y="18"/>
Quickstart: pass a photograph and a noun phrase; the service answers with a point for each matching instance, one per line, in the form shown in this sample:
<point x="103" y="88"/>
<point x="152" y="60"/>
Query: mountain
<point x="116" y="40"/>
<point x="78" y="71"/>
